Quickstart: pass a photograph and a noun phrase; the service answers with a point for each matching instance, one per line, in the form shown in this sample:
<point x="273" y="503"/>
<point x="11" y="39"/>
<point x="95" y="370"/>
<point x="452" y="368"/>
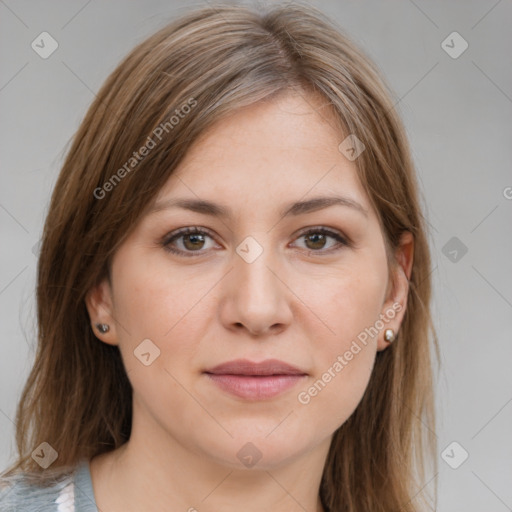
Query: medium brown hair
<point x="220" y="58"/>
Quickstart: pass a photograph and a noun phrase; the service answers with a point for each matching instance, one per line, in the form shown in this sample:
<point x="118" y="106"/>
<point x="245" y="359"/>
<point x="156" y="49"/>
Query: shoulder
<point x="19" y="494"/>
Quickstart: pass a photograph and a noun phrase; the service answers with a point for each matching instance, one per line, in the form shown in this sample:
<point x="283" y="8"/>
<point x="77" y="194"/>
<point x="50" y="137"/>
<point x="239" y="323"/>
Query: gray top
<point x="73" y="494"/>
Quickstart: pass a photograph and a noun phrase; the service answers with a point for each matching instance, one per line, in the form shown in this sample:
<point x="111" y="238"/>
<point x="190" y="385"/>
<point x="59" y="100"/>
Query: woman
<point x="233" y="287"/>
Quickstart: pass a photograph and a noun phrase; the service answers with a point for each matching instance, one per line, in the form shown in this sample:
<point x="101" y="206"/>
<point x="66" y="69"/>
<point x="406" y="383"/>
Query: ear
<point x="394" y="307"/>
<point x="99" y="303"/>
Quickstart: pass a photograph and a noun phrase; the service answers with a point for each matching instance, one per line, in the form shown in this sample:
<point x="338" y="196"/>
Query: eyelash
<point x="342" y="241"/>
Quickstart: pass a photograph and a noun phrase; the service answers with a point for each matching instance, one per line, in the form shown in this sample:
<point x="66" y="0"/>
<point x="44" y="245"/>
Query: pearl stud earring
<point x="389" y="335"/>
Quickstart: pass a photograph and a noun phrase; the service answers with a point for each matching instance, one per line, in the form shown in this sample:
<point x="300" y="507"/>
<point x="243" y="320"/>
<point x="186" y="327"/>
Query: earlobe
<point x="98" y="302"/>
<point x="396" y="302"/>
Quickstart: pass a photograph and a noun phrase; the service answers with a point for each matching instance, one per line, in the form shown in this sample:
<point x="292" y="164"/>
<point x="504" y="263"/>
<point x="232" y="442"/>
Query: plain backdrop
<point x="457" y="111"/>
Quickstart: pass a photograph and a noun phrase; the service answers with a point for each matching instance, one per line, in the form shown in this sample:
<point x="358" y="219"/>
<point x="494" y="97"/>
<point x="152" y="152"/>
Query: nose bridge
<point x="257" y="297"/>
<point x="254" y="257"/>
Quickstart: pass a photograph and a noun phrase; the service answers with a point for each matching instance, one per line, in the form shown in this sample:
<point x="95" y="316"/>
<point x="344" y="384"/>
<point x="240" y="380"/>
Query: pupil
<point x="319" y="239"/>
<point x="194" y="239"/>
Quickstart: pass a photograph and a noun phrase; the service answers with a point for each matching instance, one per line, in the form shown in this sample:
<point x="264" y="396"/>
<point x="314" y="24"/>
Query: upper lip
<point x="246" y="367"/>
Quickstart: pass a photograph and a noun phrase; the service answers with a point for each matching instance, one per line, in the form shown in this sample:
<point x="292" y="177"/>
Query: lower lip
<point x="255" y="387"/>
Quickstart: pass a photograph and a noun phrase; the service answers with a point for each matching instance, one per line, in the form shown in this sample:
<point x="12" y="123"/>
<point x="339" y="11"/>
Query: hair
<point x="191" y="73"/>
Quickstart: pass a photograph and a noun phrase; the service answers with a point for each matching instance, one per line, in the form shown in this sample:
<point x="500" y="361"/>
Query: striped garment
<point x="72" y="494"/>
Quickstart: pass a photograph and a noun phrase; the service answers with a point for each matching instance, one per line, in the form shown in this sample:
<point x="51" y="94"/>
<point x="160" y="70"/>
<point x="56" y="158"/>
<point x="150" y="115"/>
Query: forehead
<point x="282" y="149"/>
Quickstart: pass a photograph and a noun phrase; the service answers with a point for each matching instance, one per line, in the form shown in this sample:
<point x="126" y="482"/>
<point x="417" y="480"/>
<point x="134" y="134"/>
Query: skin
<point x="302" y="300"/>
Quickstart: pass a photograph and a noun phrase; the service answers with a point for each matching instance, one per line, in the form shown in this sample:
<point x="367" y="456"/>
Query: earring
<point x="389" y="335"/>
<point x="103" y="328"/>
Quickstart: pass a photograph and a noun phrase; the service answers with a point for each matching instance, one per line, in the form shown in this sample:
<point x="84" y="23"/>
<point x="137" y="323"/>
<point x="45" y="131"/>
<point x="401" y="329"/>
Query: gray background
<point x="457" y="113"/>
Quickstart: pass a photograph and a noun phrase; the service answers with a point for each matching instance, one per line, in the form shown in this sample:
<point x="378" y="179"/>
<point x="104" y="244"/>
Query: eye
<point x="193" y="241"/>
<point x="190" y="240"/>
<point x="316" y="240"/>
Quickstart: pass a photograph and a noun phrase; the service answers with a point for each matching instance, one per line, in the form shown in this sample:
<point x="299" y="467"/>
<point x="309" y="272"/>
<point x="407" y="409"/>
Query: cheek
<point x="350" y="306"/>
<point x="151" y="301"/>
<point x="349" y="300"/>
<point x="343" y="367"/>
<point x="166" y="308"/>
<point x="355" y="305"/>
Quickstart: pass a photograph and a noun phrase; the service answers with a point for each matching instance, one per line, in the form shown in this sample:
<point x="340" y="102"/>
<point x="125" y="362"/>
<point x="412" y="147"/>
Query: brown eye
<point x="317" y="240"/>
<point x="187" y="241"/>
<point x="194" y="241"/>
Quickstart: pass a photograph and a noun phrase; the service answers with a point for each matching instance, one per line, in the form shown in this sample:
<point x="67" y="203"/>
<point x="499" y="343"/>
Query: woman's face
<point x="273" y="273"/>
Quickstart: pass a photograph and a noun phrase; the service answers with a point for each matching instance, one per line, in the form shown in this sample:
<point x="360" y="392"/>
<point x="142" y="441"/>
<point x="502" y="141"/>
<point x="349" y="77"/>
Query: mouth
<point x="255" y="381"/>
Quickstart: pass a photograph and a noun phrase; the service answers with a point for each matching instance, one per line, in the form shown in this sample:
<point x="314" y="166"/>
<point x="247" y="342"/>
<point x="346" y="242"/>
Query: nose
<point x="256" y="298"/>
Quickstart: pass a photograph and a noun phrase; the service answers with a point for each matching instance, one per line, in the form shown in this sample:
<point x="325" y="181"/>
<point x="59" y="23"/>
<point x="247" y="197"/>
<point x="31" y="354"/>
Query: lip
<point x="255" y="381"/>
<point x="246" y="367"/>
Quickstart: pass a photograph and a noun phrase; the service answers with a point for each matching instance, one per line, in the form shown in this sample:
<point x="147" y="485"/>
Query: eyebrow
<point x="296" y="208"/>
